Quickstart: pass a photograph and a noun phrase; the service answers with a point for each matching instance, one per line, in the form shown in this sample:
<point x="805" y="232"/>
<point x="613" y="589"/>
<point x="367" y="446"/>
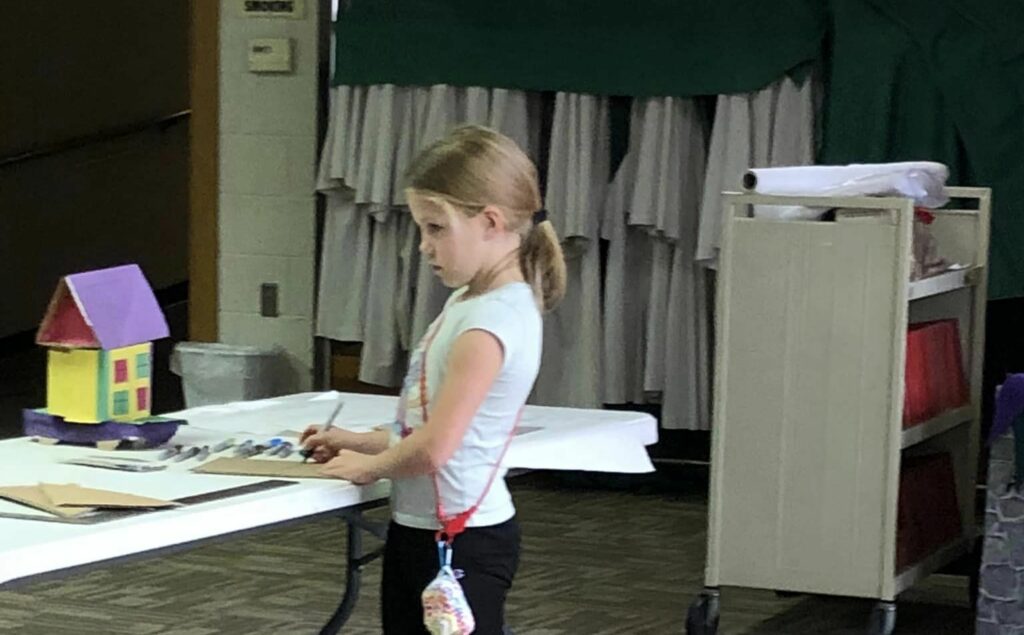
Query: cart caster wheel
<point x="702" y="618"/>
<point x="883" y="619"/>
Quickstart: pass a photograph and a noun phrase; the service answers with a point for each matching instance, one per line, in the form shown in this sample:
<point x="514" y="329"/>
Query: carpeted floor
<point x="596" y="561"/>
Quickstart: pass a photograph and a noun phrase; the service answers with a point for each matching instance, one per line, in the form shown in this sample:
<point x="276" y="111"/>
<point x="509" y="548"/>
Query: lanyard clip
<point x="444" y="554"/>
<point x="444" y="537"/>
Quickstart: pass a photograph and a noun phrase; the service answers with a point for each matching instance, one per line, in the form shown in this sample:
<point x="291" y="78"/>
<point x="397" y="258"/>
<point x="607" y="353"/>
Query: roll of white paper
<point x="921" y="180"/>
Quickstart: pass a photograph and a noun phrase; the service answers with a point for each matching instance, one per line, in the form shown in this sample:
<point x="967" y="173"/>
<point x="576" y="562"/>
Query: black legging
<point x="487" y="556"/>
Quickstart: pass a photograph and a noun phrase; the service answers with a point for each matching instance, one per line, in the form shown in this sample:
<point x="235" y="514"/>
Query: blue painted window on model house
<point x="121" y="398"/>
<point x="142" y="366"/>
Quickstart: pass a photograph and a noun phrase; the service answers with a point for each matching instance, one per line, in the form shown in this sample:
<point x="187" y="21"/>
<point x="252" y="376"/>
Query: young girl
<point x="476" y="200"/>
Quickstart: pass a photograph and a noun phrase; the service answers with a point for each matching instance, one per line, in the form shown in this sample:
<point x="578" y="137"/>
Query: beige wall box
<point x="270" y="55"/>
<point x="272" y="8"/>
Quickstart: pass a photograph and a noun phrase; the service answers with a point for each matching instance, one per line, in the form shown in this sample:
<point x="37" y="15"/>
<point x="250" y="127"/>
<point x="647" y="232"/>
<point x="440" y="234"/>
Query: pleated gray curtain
<point x="577" y="181"/>
<point x="656" y="314"/>
<point x="772" y="127"/>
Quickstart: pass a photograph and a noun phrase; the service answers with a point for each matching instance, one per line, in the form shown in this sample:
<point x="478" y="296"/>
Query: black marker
<point x="187" y="454"/>
<point x="306" y="452"/>
<point x="169" y="452"/>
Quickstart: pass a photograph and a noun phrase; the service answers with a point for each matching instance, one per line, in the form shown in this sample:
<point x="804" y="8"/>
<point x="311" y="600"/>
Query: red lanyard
<point x="452" y="526"/>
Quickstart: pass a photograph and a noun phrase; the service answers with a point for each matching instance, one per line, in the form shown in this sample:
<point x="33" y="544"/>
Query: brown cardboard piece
<point x="33" y="496"/>
<point x="69" y="501"/>
<point x="260" y="467"/>
<point x="76" y="496"/>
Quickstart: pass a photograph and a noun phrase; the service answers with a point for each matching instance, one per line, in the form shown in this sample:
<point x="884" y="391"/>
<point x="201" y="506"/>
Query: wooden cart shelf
<point x="943" y="283"/>
<point x="941" y="424"/>
<point x="932" y="563"/>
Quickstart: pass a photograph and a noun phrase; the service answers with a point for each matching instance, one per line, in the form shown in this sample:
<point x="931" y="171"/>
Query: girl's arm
<point x="474" y="362"/>
<point x="372" y="442"/>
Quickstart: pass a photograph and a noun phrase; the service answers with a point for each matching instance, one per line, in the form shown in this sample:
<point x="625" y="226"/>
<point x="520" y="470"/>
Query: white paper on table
<point x="599" y="454"/>
<point x="194" y="435"/>
<point x="271" y="416"/>
<point x="235" y="407"/>
<point x="330" y="395"/>
<point x="586" y="440"/>
<point x="565" y="438"/>
<point x="34" y="463"/>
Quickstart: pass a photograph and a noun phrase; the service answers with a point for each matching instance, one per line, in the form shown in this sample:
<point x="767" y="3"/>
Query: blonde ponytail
<point x="543" y="264"/>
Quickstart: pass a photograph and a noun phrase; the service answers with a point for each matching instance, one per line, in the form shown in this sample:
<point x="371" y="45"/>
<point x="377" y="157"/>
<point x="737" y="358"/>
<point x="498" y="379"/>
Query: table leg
<point x="355" y="561"/>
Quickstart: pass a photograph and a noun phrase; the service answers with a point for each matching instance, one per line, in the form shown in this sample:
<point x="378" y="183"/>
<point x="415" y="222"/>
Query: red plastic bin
<point x="934" y="381"/>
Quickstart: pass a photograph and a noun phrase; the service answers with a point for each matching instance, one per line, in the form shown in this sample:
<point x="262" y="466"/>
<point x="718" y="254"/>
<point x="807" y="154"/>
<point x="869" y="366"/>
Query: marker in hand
<point x="308" y="452"/>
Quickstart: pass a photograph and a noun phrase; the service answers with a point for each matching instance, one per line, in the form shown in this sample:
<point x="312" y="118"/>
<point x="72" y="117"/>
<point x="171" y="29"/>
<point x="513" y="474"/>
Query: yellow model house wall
<point x="72" y="384"/>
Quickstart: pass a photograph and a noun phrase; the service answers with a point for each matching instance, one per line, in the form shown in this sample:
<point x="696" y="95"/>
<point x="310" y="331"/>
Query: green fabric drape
<point x="610" y="47"/>
<point x="939" y="80"/>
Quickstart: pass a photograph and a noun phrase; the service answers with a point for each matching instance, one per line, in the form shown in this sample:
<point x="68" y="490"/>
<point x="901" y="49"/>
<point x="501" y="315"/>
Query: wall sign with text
<point x="272" y="8"/>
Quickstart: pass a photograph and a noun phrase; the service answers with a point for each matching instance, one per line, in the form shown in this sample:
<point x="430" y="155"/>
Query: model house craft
<point x="99" y="330"/>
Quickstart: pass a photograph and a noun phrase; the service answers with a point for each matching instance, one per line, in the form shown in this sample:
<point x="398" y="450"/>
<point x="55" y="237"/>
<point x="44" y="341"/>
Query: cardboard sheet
<point x="34" y="497"/>
<point x="261" y="467"/>
<point x="76" y="496"/>
<point x="69" y="500"/>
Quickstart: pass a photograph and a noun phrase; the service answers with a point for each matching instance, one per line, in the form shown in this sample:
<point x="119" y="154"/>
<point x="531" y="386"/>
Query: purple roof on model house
<point x="115" y="307"/>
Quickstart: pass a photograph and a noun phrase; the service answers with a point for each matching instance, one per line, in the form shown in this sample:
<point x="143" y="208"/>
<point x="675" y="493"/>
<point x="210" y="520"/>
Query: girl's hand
<point x="352" y="466"/>
<point x="325" y="445"/>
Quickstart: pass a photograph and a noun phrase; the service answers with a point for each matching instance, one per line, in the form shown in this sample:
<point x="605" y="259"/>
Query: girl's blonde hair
<point x="474" y="167"/>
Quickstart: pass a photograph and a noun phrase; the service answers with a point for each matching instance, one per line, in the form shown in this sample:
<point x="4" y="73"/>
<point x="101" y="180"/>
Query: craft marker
<point x="113" y="464"/>
<point x="274" y="445"/>
<point x="249" y="450"/>
<point x="223" y="445"/>
<point x="243" y="449"/>
<point x="187" y="454"/>
<point x="169" y="452"/>
<point x="282" y="449"/>
<point x="204" y="453"/>
<point x="307" y="452"/>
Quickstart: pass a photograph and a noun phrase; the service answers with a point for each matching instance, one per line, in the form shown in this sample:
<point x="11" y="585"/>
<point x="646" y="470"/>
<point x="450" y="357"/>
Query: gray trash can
<point x="221" y="373"/>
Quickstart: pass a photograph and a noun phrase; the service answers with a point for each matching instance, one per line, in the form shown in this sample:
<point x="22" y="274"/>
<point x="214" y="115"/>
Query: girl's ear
<point x="494" y="220"/>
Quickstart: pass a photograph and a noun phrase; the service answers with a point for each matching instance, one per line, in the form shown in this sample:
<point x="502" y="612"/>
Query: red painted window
<point x="121" y="371"/>
<point x="142" y="398"/>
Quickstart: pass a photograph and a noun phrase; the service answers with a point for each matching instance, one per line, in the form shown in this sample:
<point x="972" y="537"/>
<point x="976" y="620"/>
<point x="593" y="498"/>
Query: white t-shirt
<point x="509" y="313"/>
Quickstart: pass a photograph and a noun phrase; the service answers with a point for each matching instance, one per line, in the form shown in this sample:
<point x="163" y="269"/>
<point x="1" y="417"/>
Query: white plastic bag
<point x="445" y="608"/>
<point x="922" y="181"/>
<point x="925" y="260"/>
